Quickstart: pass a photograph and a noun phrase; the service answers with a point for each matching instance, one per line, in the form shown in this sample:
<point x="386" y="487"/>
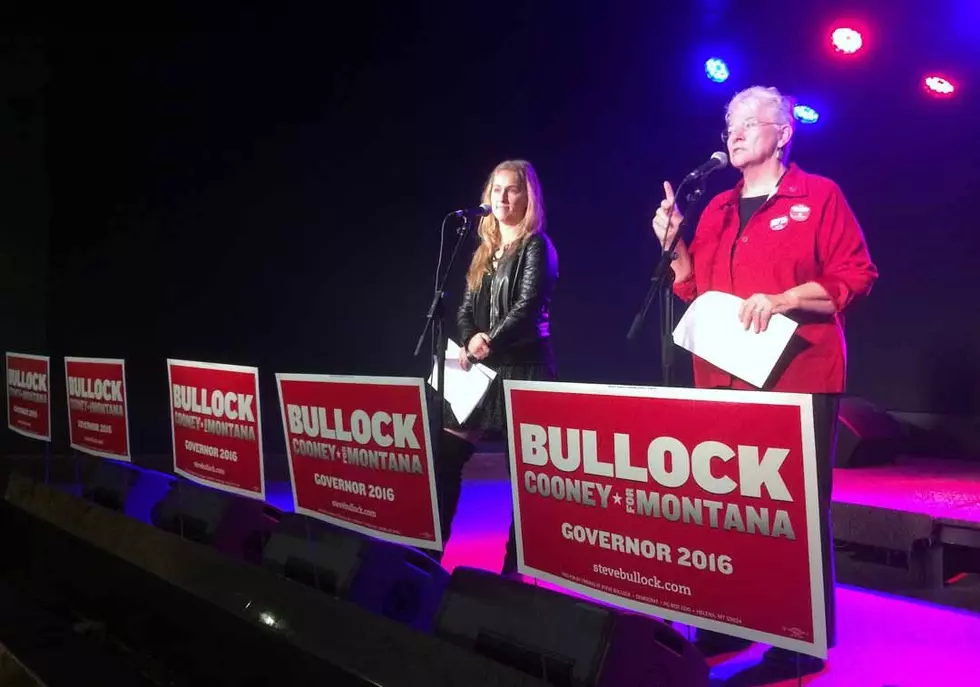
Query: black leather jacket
<point x="513" y="305"/>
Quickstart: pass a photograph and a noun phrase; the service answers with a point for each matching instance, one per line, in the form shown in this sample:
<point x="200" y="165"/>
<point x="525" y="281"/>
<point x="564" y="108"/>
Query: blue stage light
<point x="805" y="114"/>
<point x="716" y="70"/>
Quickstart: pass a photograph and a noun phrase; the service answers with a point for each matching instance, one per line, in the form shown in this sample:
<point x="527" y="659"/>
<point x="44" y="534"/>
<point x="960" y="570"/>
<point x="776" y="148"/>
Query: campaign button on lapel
<point x="799" y="212"/>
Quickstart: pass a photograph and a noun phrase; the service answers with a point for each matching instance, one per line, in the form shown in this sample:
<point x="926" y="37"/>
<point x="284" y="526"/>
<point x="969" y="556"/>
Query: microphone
<point x="717" y="161"/>
<point x="479" y="211"/>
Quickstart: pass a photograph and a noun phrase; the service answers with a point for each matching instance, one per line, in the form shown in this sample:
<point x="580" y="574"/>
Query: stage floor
<point x="883" y="640"/>
<point x="947" y="490"/>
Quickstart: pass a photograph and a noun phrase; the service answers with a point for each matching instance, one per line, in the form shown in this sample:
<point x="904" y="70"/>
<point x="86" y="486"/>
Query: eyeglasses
<point x="747" y="126"/>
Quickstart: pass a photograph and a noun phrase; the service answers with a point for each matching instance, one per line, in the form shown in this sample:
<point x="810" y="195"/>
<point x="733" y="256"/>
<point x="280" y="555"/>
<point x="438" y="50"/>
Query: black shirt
<point x="748" y="207"/>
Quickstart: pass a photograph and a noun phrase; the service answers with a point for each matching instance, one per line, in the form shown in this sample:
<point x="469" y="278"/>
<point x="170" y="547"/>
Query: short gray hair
<point x="780" y="105"/>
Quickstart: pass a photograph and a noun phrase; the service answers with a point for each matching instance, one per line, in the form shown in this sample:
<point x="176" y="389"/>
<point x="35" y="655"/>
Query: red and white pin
<point x="800" y="212"/>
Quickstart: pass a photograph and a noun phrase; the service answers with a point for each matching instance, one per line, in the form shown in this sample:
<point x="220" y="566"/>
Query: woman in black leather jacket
<point x="504" y="321"/>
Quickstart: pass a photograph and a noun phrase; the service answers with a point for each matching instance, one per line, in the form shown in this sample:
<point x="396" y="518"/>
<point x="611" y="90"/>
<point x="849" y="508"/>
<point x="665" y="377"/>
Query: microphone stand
<point x="435" y="318"/>
<point x="662" y="283"/>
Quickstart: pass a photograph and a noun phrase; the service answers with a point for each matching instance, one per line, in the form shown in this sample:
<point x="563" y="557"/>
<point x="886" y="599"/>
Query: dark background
<point x="265" y="187"/>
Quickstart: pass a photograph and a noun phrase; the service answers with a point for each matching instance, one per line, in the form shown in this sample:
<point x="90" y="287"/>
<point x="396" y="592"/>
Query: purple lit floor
<point x="882" y="640"/>
<point x="947" y="490"/>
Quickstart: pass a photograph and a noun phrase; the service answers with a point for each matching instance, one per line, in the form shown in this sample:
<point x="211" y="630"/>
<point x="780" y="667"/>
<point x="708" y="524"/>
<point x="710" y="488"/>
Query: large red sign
<point x="360" y="455"/>
<point x="216" y="425"/>
<point x="695" y="505"/>
<point x="28" y="397"/>
<point x="98" y="420"/>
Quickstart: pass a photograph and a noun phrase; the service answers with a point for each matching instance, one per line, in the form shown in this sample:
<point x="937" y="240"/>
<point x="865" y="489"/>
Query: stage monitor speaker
<point x="398" y="582"/>
<point x="109" y="484"/>
<point x="564" y="640"/>
<point x="124" y="487"/>
<point x="236" y="525"/>
<point x="866" y="434"/>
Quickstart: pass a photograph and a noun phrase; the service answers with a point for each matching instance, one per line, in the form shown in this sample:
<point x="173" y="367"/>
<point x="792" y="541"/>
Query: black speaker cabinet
<point x="109" y="484"/>
<point x="124" y="487"/>
<point x="236" y="525"/>
<point x="866" y="434"/>
<point x="398" y="582"/>
<point x="564" y="640"/>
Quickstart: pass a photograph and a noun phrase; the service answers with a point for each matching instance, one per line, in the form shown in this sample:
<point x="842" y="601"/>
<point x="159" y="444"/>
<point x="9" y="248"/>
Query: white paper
<point x="462" y="389"/>
<point x="710" y="329"/>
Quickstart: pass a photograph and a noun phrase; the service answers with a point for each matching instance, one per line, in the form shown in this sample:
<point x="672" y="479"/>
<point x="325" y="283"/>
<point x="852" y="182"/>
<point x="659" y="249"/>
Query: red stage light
<point x="847" y="40"/>
<point x="939" y="86"/>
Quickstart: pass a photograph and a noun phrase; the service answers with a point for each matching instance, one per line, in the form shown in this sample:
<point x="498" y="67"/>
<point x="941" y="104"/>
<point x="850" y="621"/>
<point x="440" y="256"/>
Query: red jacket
<point x="805" y="233"/>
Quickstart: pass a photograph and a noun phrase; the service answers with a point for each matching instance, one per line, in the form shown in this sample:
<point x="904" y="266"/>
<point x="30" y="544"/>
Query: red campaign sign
<point x="695" y="505"/>
<point x="28" y="397"/>
<point x="98" y="417"/>
<point x="216" y="425"/>
<point x="360" y="455"/>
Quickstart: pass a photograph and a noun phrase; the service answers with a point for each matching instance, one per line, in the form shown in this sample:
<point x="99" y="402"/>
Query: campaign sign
<point x="28" y="398"/>
<point x="98" y="419"/>
<point x="695" y="505"/>
<point x="216" y="425"/>
<point x="360" y="455"/>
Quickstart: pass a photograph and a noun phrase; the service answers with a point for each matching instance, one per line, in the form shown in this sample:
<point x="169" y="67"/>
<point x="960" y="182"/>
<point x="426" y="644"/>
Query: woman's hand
<point x="479" y="346"/>
<point x="661" y="228"/>
<point x="757" y="309"/>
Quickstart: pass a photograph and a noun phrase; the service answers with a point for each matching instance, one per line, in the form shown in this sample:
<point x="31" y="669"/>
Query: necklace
<point x="504" y="247"/>
<point x="772" y="191"/>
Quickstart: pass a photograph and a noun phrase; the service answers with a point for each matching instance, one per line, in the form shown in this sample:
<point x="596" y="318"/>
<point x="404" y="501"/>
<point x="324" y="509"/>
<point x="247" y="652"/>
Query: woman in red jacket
<point x="786" y="242"/>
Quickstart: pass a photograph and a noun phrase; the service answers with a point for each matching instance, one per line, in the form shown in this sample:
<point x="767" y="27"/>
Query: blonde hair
<point x="780" y="105"/>
<point x="489" y="229"/>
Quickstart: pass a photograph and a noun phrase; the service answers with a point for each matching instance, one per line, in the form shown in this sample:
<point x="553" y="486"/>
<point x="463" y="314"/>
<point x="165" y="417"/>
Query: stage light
<point x="939" y="86"/>
<point x="847" y="40"/>
<point x="805" y="114"/>
<point x="716" y="70"/>
<point x="268" y="619"/>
